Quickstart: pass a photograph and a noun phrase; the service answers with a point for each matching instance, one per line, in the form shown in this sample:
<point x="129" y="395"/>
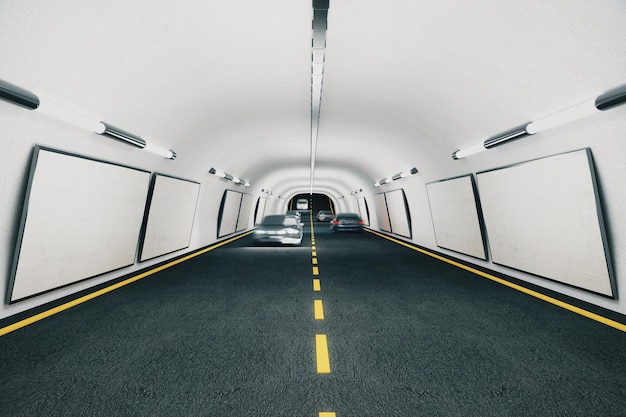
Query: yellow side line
<point x="318" y="309"/>
<point x="33" y="319"/>
<point x="546" y="298"/>
<point x="327" y="414"/>
<point x="321" y="351"/>
<point x="317" y="286"/>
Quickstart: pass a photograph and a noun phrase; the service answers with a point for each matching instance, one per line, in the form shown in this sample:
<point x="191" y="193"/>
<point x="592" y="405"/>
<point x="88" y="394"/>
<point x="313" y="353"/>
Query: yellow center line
<point x="318" y="309"/>
<point x="313" y="253"/>
<point x="316" y="270"/>
<point x="546" y="298"/>
<point x="317" y="286"/>
<point x="314" y="261"/>
<point x="327" y="414"/>
<point x="313" y="247"/>
<point x="321" y="351"/>
<point x="73" y="303"/>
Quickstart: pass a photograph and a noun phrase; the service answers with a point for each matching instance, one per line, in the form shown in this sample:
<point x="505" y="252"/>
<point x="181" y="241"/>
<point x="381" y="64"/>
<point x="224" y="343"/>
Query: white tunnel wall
<point x="602" y="132"/>
<point x="23" y="129"/>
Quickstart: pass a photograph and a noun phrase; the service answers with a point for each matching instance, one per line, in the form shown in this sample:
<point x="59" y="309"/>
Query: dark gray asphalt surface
<point x="231" y="333"/>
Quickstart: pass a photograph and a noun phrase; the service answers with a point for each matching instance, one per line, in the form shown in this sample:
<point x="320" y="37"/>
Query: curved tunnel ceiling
<point x="228" y="84"/>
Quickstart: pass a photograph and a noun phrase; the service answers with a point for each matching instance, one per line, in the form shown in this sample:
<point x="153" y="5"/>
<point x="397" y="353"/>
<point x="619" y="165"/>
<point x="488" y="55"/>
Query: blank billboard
<point x="244" y="212"/>
<point x="170" y="216"/>
<point x="544" y="217"/>
<point x="364" y="212"/>
<point x="229" y="213"/>
<point x="398" y="213"/>
<point x="81" y="218"/>
<point x="454" y="211"/>
<point x="382" y="215"/>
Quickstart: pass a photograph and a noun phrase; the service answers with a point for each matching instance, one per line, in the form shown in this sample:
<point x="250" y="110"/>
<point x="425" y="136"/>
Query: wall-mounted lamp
<point x="606" y="101"/>
<point x="26" y="99"/>
<point x="511" y="134"/>
<point x="359" y="190"/>
<point x="228" y="177"/>
<point x="396" y="177"/>
<point x="263" y="190"/>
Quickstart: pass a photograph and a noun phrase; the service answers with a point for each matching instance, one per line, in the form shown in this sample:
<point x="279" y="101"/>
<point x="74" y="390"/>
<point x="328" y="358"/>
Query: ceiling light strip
<point x="26" y="99"/>
<point x="605" y="101"/>
<point x="319" y="26"/>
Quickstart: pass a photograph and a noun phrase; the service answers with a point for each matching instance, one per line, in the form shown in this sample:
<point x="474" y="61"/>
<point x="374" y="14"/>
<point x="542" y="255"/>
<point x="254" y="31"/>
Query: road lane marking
<point x="314" y="261"/>
<point x="321" y="350"/>
<point x="327" y="414"/>
<point x="546" y="298"/>
<point x="317" y="286"/>
<point x="316" y="270"/>
<point x="313" y="247"/>
<point x="313" y="253"/>
<point x="318" y="309"/>
<point x="30" y="320"/>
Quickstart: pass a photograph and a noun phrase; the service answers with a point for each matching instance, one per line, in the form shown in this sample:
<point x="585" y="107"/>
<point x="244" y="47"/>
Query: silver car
<point x="279" y="228"/>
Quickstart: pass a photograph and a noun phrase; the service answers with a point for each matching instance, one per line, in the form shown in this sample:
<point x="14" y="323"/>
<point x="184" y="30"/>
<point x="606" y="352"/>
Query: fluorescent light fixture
<point x="229" y="177"/>
<point x="318" y="55"/>
<point x="122" y="135"/>
<point x="396" y="177"/>
<point x="611" y="98"/>
<point x="410" y="172"/>
<point x="317" y="69"/>
<point x="166" y="153"/>
<point x="570" y="114"/>
<point x="52" y="109"/>
<point x="18" y="95"/>
<point x="217" y="173"/>
<point x="474" y="149"/>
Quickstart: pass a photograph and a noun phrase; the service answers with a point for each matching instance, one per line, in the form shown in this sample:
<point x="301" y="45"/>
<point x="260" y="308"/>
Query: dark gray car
<point x="348" y="222"/>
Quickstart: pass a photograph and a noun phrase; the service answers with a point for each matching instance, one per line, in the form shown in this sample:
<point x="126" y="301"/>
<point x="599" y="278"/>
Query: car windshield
<point x="280" y="221"/>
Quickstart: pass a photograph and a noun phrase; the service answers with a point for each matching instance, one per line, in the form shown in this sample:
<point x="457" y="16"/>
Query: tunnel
<point x="480" y="145"/>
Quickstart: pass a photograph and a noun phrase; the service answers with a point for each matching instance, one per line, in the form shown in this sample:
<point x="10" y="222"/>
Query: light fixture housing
<point x="18" y="95"/>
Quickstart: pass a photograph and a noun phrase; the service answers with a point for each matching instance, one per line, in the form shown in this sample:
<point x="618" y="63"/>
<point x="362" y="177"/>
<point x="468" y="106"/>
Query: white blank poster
<point x="81" y="218"/>
<point x="260" y="210"/>
<point x="230" y="212"/>
<point x="171" y="215"/>
<point x="398" y="215"/>
<point x="363" y="210"/>
<point x="382" y="215"/>
<point x="455" y="216"/>
<point x="244" y="213"/>
<point x="543" y="217"/>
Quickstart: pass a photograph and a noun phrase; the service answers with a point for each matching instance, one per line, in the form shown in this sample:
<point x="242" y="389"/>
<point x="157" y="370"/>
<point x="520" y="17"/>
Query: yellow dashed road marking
<point x="321" y="350"/>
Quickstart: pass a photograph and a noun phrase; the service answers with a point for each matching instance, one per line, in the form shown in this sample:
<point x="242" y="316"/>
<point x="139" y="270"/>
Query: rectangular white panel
<point x="170" y="217"/>
<point x="544" y="217"/>
<point x="230" y="213"/>
<point x="398" y="214"/>
<point x="382" y="215"/>
<point x="363" y="210"/>
<point x="81" y="218"/>
<point x="455" y="216"/>
<point x="260" y="211"/>
<point x="244" y="213"/>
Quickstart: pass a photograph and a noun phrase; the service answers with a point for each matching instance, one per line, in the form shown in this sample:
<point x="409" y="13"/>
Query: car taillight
<point x="336" y="222"/>
<point x="361" y="222"/>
